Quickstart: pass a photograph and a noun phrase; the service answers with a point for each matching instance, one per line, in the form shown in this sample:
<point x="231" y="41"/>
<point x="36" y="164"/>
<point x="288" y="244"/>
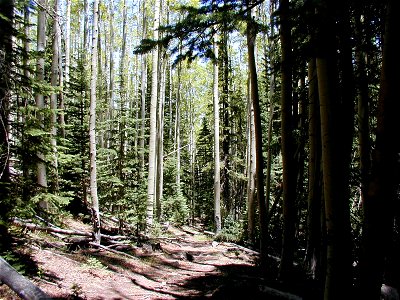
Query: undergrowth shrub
<point x="175" y="209"/>
<point x="231" y="232"/>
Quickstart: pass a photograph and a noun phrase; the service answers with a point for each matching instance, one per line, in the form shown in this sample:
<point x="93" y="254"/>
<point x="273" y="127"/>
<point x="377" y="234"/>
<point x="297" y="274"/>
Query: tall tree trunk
<point x="101" y="71"/>
<point x="313" y="253"/>
<point x="269" y="143"/>
<point x="225" y="98"/>
<point x="123" y="103"/>
<point x="288" y="151"/>
<point x="217" y="175"/>
<point x="27" y="75"/>
<point x="39" y="98"/>
<point x="192" y="157"/>
<point x="6" y="50"/>
<point x="67" y="42"/>
<point x="178" y="129"/>
<point x="251" y="167"/>
<point x="85" y="35"/>
<point x="111" y="80"/>
<point x="55" y="75"/>
<point x="151" y="180"/>
<point x="251" y="33"/>
<point x="338" y="268"/>
<point x="92" y="126"/>
<point x="382" y="192"/>
<point x="143" y="89"/>
<point x="67" y="65"/>
<point x="271" y="96"/>
<point x="160" y="140"/>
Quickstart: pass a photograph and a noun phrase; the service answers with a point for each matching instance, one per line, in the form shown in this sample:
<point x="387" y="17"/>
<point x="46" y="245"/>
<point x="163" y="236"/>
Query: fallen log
<point x="32" y="226"/>
<point x="188" y="230"/>
<point x="210" y="233"/>
<point x="59" y="230"/>
<point x="112" y="250"/>
<point x="23" y="287"/>
<point x="241" y="248"/>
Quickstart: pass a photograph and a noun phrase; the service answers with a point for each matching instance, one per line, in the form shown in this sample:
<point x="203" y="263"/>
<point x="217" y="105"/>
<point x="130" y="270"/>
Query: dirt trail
<point x="189" y="265"/>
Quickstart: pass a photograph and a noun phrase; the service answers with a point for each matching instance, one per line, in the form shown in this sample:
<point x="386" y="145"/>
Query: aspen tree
<point x="217" y="175"/>
<point x="151" y="180"/>
<point x="39" y="97"/>
<point x="92" y="126"/>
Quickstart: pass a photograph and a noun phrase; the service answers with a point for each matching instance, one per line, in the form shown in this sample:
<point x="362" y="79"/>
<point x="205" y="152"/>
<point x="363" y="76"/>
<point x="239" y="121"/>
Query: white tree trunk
<point x="39" y="98"/>
<point x="151" y="180"/>
<point x="67" y="41"/>
<point x="178" y="130"/>
<point x="92" y="127"/>
<point x="143" y="74"/>
<point x="111" y="85"/>
<point x="67" y="63"/>
<point x="217" y="175"/>
<point x="55" y="74"/>
<point x="251" y="203"/>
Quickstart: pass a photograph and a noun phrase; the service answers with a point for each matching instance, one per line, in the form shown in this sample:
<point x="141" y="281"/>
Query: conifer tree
<point x="6" y="50"/>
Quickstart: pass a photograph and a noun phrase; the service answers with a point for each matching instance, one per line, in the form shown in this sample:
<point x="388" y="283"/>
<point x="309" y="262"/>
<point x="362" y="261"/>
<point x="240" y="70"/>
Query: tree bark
<point x="6" y="50"/>
<point x="251" y="32"/>
<point x="112" y="71"/>
<point x="177" y="134"/>
<point x="217" y="167"/>
<point x="39" y="97"/>
<point x="160" y="141"/>
<point x="313" y="253"/>
<point x="143" y="89"/>
<point x="251" y="173"/>
<point x="151" y="180"/>
<point x="382" y="192"/>
<point x="92" y="127"/>
<point x="20" y="284"/>
<point x="67" y="41"/>
<point x="55" y="75"/>
<point x="338" y="263"/>
<point x="223" y="60"/>
<point x="288" y="152"/>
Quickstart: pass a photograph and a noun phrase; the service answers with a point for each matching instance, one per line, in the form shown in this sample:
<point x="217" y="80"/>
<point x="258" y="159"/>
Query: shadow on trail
<point x="233" y="281"/>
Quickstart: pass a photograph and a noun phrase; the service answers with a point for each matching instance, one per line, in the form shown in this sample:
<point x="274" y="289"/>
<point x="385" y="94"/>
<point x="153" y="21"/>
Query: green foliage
<point x="76" y="290"/>
<point x="156" y="230"/>
<point x="175" y="208"/>
<point x="204" y="176"/>
<point x="134" y="204"/>
<point x="93" y="263"/>
<point x="197" y="28"/>
<point x="53" y="201"/>
<point x="232" y="230"/>
<point x="15" y="261"/>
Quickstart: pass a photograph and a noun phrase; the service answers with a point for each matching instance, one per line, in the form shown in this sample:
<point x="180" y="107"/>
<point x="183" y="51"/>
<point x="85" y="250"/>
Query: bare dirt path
<point x="184" y="265"/>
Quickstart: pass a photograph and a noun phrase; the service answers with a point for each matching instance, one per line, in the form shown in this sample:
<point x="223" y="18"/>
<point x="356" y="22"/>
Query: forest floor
<point x="183" y="263"/>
